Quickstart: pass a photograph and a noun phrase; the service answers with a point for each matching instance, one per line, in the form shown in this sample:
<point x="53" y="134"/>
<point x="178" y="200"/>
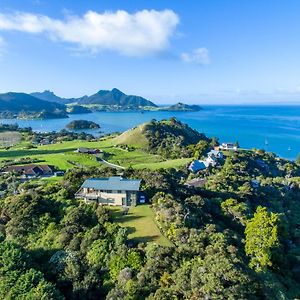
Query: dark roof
<point x="29" y="169"/>
<point x="113" y="183"/>
<point x="88" y="150"/>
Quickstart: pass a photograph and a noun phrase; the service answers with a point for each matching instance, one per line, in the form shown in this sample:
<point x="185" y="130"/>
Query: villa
<point x="212" y="159"/>
<point x="31" y="170"/>
<point x="215" y="154"/>
<point x="116" y="191"/>
<point x="228" y="146"/>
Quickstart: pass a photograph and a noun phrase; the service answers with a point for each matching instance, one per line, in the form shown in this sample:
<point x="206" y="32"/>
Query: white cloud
<point x="142" y="33"/>
<point x="198" y="56"/>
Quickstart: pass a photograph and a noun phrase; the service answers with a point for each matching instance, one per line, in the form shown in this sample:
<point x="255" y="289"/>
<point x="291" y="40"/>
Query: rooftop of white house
<point x="112" y="183"/>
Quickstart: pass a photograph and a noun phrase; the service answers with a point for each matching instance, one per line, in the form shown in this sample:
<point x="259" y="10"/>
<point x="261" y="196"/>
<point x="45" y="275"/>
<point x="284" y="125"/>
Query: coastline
<point x="250" y="125"/>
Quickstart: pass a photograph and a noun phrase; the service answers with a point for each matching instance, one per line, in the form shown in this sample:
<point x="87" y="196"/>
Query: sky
<point x="202" y="52"/>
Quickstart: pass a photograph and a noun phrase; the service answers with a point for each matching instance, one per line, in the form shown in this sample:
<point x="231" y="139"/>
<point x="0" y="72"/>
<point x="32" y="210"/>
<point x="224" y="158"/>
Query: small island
<point x="182" y="107"/>
<point x="82" y="124"/>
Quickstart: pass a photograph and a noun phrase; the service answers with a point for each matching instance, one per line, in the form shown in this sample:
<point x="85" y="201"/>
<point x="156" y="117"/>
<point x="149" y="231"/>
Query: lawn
<point x="171" y="163"/>
<point x="141" y="224"/>
<point x="62" y="155"/>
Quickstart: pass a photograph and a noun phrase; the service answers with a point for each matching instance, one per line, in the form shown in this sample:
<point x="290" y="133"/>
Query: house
<point x="215" y="153"/>
<point x="115" y="191"/>
<point x="88" y="150"/>
<point x="228" y="146"/>
<point x="31" y="170"/>
<point x="211" y="161"/>
<point x="45" y="142"/>
<point x="198" y="165"/>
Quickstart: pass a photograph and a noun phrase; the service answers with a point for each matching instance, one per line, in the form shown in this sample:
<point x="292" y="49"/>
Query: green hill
<point x="134" y="137"/>
<point x="168" y="138"/>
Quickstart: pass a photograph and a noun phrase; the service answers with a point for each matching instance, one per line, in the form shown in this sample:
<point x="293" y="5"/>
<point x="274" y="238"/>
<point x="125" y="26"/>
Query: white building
<point x="228" y="146"/>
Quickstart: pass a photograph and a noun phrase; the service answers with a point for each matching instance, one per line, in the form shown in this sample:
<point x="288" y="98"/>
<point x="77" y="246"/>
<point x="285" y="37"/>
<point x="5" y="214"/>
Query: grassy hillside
<point x="167" y="138"/>
<point x="152" y="145"/>
<point x="62" y="155"/>
<point x="135" y="137"/>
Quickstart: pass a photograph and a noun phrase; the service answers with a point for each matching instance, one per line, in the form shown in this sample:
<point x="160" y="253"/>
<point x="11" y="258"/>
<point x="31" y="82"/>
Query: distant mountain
<point x="25" y="105"/>
<point x="183" y="107"/>
<point x="51" y="97"/>
<point x="115" y="97"/>
<point x="48" y="105"/>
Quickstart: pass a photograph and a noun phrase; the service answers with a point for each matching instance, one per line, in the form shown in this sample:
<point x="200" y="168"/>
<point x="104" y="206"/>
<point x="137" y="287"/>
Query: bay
<point x="273" y="128"/>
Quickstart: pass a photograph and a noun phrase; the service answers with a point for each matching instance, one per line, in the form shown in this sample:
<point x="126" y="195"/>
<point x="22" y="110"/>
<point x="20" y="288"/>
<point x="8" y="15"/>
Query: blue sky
<point x="211" y="51"/>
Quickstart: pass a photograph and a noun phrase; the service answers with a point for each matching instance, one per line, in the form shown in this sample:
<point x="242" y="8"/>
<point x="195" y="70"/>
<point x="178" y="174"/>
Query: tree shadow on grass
<point x="125" y="218"/>
<point x="144" y="239"/>
<point x="130" y="229"/>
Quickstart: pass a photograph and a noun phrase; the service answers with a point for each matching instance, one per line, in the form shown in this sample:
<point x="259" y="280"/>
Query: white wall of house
<point x="116" y="196"/>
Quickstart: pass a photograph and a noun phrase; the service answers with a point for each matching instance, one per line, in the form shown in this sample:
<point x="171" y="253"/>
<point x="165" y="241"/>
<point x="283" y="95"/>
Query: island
<point x="182" y="107"/>
<point x="82" y="124"/>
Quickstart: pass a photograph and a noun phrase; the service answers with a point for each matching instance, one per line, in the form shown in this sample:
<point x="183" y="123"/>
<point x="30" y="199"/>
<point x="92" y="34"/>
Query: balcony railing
<point x="87" y="195"/>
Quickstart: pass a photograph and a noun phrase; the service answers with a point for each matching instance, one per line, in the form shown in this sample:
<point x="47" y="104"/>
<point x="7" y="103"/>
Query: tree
<point x="238" y="211"/>
<point x="298" y="159"/>
<point x="97" y="254"/>
<point x="131" y="259"/>
<point x="261" y="238"/>
<point x="32" y="285"/>
<point x="202" y="147"/>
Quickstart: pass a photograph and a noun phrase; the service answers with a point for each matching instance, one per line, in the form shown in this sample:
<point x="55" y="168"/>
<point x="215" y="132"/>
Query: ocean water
<point x="251" y="126"/>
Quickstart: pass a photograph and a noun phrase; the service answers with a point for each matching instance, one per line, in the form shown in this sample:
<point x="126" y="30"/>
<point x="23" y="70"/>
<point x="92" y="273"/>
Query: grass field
<point x="62" y="155"/>
<point x="141" y="224"/>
